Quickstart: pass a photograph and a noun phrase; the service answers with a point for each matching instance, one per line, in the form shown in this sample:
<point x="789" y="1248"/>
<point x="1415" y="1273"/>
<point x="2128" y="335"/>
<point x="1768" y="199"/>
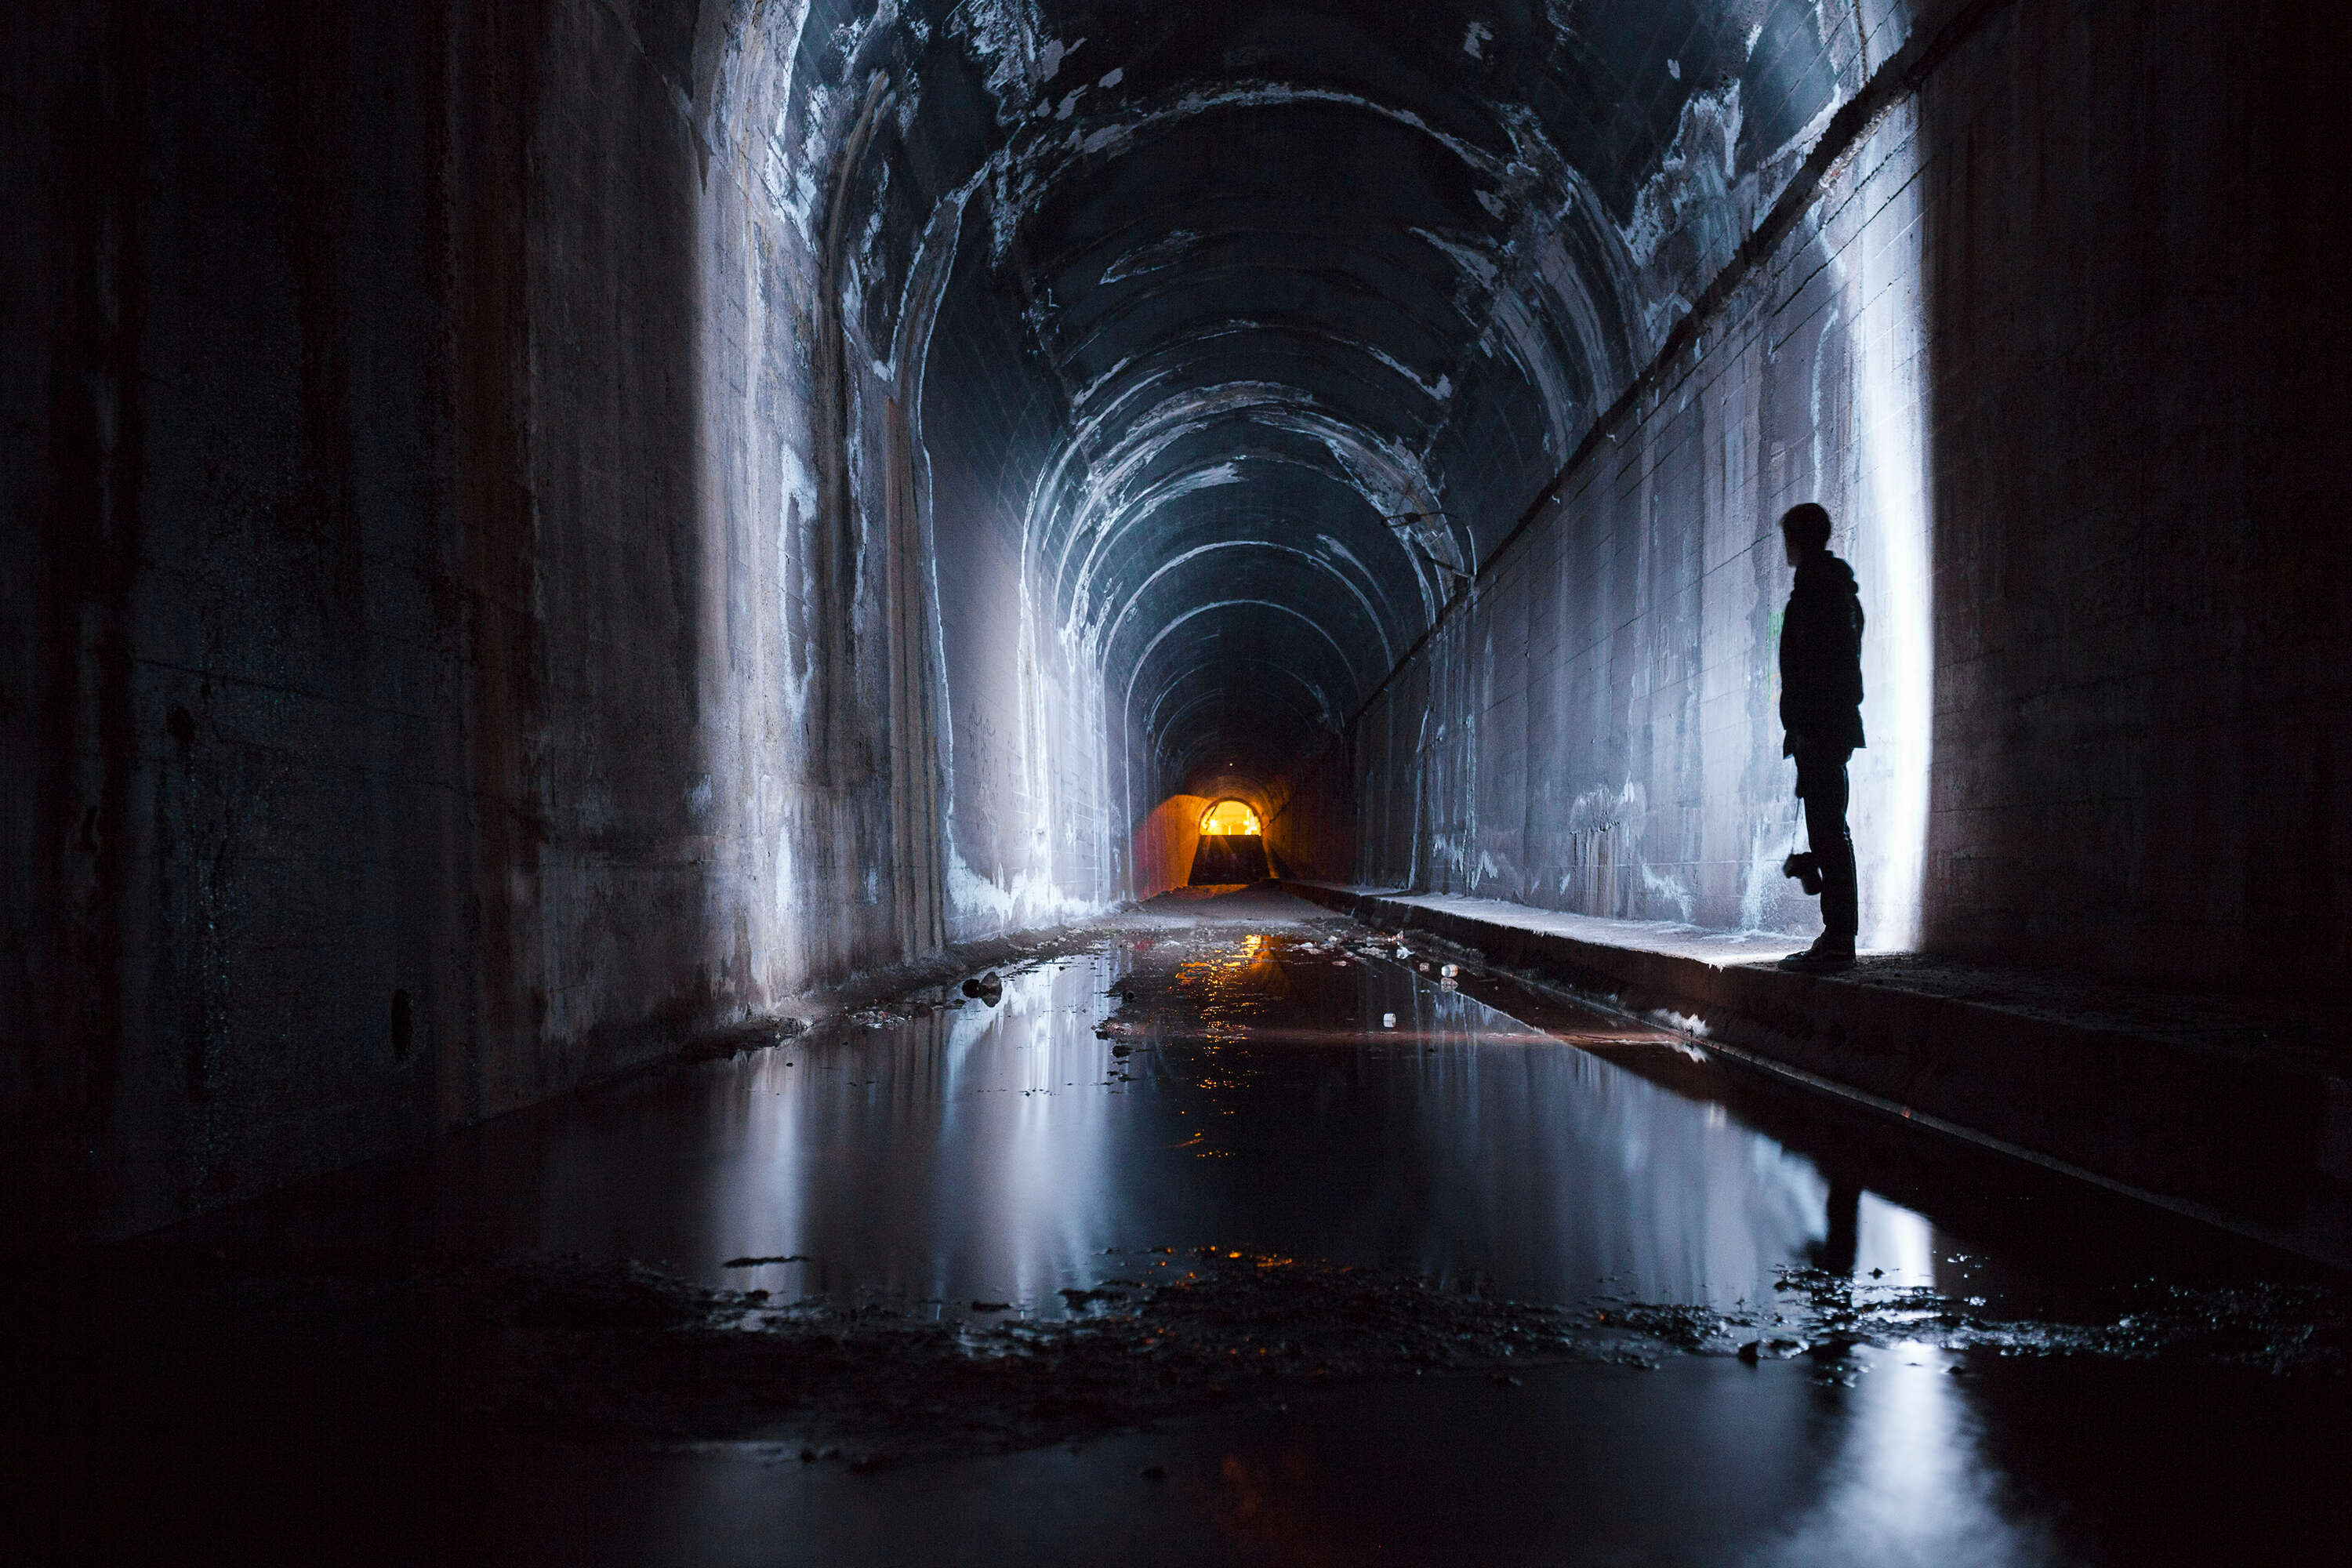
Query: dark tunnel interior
<point x="701" y="697"/>
<point x="541" y="531"/>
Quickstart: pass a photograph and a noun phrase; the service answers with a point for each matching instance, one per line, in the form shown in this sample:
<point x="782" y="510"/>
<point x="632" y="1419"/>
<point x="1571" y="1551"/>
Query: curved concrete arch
<point x="1178" y="751"/>
<point x="1049" y="156"/>
<point x="1109" y="635"/>
<point x="1361" y="452"/>
<point x="1157" y="723"/>
<point x="1299" y="615"/>
<point x="1174" y="668"/>
<point x="1161" y="349"/>
<point x="1385" y="477"/>
<point x="1152" y="503"/>
<point x="1283" y="710"/>
<point x="1190" y="759"/>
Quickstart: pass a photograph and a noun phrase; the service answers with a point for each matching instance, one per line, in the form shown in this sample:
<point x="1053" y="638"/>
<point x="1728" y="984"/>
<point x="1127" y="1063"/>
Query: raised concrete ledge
<point x="2239" y="1116"/>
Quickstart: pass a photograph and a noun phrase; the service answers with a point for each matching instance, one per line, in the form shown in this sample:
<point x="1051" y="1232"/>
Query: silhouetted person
<point x="1821" y="714"/>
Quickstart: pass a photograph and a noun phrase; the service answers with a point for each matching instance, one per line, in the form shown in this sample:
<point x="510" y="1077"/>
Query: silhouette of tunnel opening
<point x="1231" y="848"/>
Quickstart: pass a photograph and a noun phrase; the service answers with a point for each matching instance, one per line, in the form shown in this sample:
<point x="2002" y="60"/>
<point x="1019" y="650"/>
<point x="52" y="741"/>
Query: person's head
<point x="1804" y="528"/>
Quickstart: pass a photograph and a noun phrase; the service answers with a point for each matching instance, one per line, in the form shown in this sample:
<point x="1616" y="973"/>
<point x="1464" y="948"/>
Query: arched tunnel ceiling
<point x="1297" y="271"/>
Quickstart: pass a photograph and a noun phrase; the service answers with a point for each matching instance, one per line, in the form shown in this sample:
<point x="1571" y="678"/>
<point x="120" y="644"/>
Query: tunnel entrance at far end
<point x="1231" y="848"/>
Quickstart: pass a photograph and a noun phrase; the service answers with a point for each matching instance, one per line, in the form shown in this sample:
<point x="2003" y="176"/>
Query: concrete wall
<point x="1596" y="729"/>
<point x="244" y="903"/>
<point x="1032" y="837"/>
<point x="1165" y="842"/>
<point x="2038" y="342"/>
<point x="2143" y="617"/>
<point x="472" y="620"/>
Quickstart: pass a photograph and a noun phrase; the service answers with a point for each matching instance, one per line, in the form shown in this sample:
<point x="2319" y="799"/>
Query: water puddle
<point x="1293" y="1231"/>
<point x="1302" y="1089"/>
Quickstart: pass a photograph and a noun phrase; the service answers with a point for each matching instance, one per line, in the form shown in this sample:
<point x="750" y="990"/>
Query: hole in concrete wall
<point x="1229" y="817"/>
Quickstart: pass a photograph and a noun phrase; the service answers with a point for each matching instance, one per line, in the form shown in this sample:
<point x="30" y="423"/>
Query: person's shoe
<point x="1807" y="869"/>
<point x="1826" y="953"/>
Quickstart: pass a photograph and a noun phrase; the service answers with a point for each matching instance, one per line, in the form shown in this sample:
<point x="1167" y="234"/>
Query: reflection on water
<point x="1906" y="1482"/>
<point x="1003" y="1153"/>
<point x="1246" y="1096"/>
<point x="1231" y="1085"/>
<point x="1703" y="1462"/>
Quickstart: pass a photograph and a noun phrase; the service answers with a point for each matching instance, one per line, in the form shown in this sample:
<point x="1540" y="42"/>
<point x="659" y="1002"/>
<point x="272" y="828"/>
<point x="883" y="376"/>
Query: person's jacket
<point x="1820" y="654"/>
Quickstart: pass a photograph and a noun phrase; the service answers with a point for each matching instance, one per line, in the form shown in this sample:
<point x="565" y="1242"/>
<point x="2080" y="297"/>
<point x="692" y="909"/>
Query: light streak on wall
<point x="1892" y="546"/>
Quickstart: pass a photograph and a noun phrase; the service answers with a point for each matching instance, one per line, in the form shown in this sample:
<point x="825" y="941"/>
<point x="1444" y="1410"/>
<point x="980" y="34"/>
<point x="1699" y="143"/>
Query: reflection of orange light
<point x="1250" y="944"/>
<point x="1229" y="817"/>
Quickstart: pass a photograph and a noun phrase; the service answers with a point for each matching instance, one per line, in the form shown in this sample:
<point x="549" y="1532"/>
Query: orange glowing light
<point x="1229" y="817"/>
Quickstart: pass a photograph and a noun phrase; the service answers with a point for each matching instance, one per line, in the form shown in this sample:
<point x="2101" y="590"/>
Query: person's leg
<point x="1824" y="787"/>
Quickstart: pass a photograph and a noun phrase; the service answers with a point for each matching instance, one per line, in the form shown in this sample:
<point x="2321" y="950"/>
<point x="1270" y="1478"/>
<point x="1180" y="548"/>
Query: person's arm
<point x="1800" y="662"/>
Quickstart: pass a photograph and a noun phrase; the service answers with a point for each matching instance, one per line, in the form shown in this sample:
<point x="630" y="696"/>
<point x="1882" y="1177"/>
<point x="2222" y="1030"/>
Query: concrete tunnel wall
<point x="2051" y="373"/>
<point x="543" y="528"/>
<point x="469" y="632"/>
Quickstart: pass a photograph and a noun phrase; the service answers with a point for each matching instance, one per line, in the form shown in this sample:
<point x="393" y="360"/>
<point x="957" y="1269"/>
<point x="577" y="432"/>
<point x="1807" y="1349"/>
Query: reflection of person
<point x="1821" y="713"/>
<point x="1835" y="1252"/>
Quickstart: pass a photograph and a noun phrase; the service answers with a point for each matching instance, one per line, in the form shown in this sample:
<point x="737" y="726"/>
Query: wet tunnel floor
<point x="1226" y="1233"/>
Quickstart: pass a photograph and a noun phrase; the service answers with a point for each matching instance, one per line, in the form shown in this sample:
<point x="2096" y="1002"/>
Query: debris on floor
<point x="627" y="1351"/>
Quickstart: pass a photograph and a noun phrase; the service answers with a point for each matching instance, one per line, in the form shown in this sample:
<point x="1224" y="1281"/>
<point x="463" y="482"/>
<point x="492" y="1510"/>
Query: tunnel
<point x="551" y="541"/>
<point x="1231" y="848"/>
